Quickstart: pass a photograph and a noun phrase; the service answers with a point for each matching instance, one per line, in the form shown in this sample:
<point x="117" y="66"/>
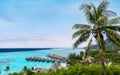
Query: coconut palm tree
<point x="7" y="69"/>
<point x="99" y="25"/>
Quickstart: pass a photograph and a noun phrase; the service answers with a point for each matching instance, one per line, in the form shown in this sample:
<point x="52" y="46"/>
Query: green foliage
<point x="111" y="55"/>
<point x="74" y="58"/>
<point x="20" y="73"/>
<point x="25" y="71"/>
<point x="25" y="68"/>
<point x="114" y="69"/>
<point x="100" y="25"/>
<point x="7" y="68"/>
<point x="32" y="68"/>
<point x="80" y="70"/>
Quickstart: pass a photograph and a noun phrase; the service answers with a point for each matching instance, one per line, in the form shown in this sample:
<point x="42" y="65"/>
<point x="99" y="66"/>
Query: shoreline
<point x="5" y="50"/>
<point x="20" y="57"/>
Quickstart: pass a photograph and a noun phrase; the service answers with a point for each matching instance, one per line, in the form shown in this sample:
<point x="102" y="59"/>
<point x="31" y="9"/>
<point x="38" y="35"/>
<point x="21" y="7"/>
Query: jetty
<point x="58" y="57"/>
<point x="52" y="58"/>
<point x="40" y="59"/>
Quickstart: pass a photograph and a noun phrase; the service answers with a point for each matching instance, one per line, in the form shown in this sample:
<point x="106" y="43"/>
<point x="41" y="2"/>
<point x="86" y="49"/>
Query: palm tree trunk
<point x="102" y="57"/>
<point x="104" y="67"/>
<point x="101" y="52"/>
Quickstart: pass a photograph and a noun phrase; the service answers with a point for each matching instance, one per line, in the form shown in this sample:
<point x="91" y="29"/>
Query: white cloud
<point x="27" y="18"/>
<point x="35" y="42"/>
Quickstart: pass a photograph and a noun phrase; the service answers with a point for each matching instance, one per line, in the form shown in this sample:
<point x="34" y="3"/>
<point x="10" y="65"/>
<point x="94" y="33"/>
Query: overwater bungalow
<point x="40" y="59"/>
<point x="54" y="56"/>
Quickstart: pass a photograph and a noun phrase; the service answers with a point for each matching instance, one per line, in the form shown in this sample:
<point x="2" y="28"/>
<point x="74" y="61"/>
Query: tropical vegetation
<point x="74" y="59"/>
<point x="77" y="70"/>
<point x="99" y="25"/>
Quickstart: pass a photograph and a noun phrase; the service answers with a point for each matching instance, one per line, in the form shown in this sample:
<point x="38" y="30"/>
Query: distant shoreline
<point x="21" y="49"/>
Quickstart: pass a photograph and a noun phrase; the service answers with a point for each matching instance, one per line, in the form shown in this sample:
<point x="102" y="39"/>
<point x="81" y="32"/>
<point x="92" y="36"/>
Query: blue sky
<point x="42" y="23"/>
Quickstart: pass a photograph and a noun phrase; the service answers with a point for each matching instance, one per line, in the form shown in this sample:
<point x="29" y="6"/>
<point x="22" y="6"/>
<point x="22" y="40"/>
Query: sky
<point x="42" y="23"/>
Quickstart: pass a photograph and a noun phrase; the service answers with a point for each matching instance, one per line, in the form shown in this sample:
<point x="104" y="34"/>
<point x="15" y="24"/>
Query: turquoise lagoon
<point x="16" y="60"/>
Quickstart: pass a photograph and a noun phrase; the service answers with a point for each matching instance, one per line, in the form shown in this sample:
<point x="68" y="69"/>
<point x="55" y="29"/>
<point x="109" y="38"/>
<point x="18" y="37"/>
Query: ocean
<point x="15" y="57"/>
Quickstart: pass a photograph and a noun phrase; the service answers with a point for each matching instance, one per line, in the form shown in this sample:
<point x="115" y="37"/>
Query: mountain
<point x="108" y="45"/>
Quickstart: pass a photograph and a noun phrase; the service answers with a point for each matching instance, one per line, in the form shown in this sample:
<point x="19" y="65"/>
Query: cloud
<point x="51" y="19"/>
<point x="34" y="42"/>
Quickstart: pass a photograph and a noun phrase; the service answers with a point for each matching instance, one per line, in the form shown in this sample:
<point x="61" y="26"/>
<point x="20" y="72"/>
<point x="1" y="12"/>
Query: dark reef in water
<point x="21" y="49"/>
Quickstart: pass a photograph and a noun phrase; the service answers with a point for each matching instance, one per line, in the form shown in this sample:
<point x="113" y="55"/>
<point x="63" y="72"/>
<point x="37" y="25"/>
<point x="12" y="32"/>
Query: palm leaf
<point x="79" y="32"/>
<point x="114" y="21"/>
<point x="85" y="7"/>
<point x="109" y="13"/>
<point x="81" y="26"/>
<point x="115" y="28"/>
<point x="87" y="10"/>
<point x="103" y="6"/>
<point x="94" y="10"/>
<point x="113" y="36"/>
<point x="81" y="39"/>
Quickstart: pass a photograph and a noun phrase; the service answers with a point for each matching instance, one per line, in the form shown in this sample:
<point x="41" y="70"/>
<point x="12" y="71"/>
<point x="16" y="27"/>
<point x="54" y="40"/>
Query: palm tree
<point x="0" y="71"/>
<point x="25" y="69"/>
<point x="98" y="25"/>
<point x="7" y="69"/>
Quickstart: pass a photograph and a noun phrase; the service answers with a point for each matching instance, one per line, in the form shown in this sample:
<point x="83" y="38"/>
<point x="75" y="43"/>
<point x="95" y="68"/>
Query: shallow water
<point x="16" y="60"/>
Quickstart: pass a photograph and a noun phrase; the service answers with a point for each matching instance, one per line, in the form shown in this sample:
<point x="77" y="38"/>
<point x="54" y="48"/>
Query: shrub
<point x="80" y="70"/>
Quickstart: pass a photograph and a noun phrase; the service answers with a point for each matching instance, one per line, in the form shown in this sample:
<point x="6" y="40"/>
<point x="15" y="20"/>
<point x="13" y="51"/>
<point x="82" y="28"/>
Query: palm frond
<point x="80" y="32"/>
<point x="103" y="6"/>
<point x="115" y="28"/>
<point x="93" y="15"/>
<point x="85" y="7"/>
<point x="94" y="9"/>
<point x="81" y="39"/>
<point x="81" y="26"/>
<point x="109" y="13"/>
<point x="113" y="36"/>
<point x="114" y="21"/>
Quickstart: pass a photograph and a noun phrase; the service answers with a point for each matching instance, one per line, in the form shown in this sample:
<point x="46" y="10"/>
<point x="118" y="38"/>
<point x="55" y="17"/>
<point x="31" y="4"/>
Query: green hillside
<point x="108" y="45"/>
